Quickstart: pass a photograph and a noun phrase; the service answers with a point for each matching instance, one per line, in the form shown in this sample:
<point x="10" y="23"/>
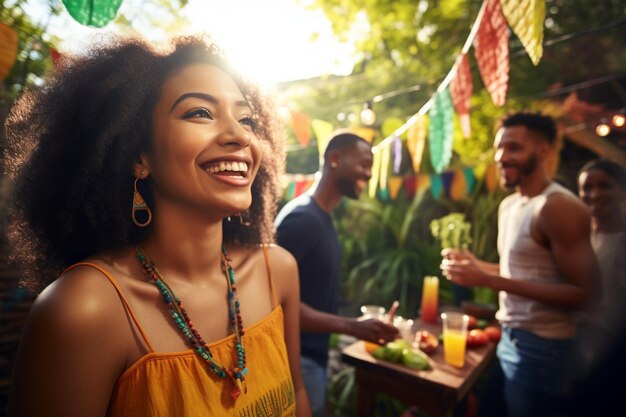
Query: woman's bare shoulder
<point x="80" y="298"/>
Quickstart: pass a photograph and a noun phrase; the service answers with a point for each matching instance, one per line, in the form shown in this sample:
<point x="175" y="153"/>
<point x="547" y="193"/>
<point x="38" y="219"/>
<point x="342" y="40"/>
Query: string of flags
<point x="454" y="184"/>
<point x="434" y="121"/>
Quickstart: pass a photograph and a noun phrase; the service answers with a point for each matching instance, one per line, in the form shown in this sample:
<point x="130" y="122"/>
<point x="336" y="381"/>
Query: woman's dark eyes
<point x="248" y="121"/>
<point x="198" y="113"/>
<point x="206" y="114"/>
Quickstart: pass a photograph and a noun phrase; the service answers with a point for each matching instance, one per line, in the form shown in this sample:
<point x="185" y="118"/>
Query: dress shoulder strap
<point x="120" y="294"/>
<point x="269" y="274"/>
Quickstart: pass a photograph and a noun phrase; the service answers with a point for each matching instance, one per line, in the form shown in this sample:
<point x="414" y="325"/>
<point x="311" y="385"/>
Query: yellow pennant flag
<point x="364" y="132"/>
<point x="526" y="18"/>
<point x="492" y="177"/>
<point x="322" y="130"/>
<point x="385" y="157"/>
<point x="375" y="175"/>
<point x="423" y="183"/>
<point x="416" y="141"/>
<point x="395" y="183"/>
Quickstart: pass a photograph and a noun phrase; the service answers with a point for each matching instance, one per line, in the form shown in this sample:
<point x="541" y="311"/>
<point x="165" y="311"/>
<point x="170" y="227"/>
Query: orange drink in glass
<point x="430" y="299"/>
<point x="454" y="337"/>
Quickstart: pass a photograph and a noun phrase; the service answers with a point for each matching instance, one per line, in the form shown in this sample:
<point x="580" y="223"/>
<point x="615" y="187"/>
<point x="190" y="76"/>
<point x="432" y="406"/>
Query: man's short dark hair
<point x="614" y="170"/>
<point x="343" y="141"/>
<point x="537" y="122"/>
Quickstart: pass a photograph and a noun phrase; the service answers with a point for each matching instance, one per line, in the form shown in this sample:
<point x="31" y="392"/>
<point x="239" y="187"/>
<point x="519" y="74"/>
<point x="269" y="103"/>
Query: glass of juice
<point x="454" y="337"/>
<point x="370" y="311"/>
<point x="430" y="299"/>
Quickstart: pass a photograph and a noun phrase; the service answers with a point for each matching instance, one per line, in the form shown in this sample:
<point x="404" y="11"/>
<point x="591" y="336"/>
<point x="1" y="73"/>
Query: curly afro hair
<point x="72" y="144"/>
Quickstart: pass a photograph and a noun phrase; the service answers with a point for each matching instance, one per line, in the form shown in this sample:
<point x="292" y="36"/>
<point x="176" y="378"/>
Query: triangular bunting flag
<point x="526" y="18"/>
<point x="322" y="130"/>
<point x="373" y="184"/>
<point x="55" y="56"/>
<point x="470" y="179"/>
<point x="301" y="125"/>
<point x="492" y="177"/>
<point x="440" y="131"/>
<point x="436" y="186"/>
<point x="396" y="155"/>
<point x="491" y="48"/>
<point x="95" y="13"/>
<point x="395" y="182"/>
<point x="423" y="182"/>
<point x="290" y="190"/>
<point x="384" y="166"/>
<point x="461" y="93"/>
<point x="8" y="49"/>
<point x="458" y="189"/>
<point x="410" y="185"/>
<point x="365" y="132"/>
<point x="416" y="142"/>
<point x="447" y="178"/>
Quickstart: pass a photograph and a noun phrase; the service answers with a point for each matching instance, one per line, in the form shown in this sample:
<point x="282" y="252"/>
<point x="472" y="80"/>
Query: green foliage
<point x="387" y="250"/>
<point x="452" y="231"/>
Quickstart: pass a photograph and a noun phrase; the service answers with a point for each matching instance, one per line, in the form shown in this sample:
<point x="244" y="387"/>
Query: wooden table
<point x="436" y="390"/>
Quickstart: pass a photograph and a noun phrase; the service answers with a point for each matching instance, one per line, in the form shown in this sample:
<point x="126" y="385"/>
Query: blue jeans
<point x="537" y="372"/>
<point x="315" y="382"/>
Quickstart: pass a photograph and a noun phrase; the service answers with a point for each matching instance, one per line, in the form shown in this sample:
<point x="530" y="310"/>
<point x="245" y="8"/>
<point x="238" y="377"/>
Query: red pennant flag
<point x="461" y="92"/>
<point x="55" y="56"/>
<point x="491" y="48"/>
<point x="300" y="187"/>
<point x="410" y="186"/>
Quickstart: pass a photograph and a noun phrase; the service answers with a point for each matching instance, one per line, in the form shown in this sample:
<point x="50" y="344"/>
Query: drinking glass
<point x="454" y="337"/>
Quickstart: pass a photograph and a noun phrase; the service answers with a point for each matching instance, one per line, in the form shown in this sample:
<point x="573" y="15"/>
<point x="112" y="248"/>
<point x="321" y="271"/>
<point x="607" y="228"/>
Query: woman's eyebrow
<point x="206" y="97"/>
<point x="202" y="96"/>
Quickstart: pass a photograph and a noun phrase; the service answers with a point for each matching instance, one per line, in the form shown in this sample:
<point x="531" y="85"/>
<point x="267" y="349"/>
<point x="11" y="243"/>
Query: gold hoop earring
<point x="139" y="204"/>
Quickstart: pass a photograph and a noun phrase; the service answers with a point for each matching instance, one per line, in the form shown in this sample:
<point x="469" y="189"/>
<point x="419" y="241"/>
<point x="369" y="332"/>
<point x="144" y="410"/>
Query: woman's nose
<point x="235" y="134"/>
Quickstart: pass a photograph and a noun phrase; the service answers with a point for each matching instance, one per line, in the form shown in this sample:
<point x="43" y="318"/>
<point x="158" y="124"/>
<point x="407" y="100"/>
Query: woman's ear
<point x="141" y="168"/>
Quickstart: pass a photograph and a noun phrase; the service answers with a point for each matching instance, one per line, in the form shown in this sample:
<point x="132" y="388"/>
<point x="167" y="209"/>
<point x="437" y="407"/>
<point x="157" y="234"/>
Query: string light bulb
<point x="603" y="129"/>
<point x="368" y="117"/>
<point x="618" y="119"/>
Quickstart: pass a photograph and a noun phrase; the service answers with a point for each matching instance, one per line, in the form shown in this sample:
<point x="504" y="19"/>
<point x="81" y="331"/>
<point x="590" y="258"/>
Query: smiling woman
<point x="180" y="136"/>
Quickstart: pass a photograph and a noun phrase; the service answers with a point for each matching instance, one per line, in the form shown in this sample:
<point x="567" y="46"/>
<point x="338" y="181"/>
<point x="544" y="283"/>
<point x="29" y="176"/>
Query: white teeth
<point x="222" y="166"/>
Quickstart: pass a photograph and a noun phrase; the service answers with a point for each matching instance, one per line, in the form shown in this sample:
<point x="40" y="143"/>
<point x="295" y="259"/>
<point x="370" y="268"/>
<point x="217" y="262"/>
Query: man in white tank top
<point x="545" y="274"/>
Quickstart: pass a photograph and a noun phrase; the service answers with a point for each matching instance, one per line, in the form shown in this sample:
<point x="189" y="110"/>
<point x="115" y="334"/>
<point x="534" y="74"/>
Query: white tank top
<point x="522" y="258"/>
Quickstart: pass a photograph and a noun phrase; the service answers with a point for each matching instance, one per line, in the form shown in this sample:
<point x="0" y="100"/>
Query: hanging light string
<point x="520" y="52"/>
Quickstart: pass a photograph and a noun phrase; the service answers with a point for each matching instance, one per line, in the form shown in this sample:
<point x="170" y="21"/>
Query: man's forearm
<point x="563" y="294"/>
<point x="315" y="321"/>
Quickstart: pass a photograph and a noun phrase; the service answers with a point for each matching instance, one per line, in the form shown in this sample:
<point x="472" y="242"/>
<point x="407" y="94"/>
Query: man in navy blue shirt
<point x="305" y="228"/>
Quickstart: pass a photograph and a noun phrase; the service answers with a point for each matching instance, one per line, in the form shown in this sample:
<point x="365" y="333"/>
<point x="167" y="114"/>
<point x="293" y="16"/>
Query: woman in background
<point x="602" y="187"/>
<point x="129" y="166"/>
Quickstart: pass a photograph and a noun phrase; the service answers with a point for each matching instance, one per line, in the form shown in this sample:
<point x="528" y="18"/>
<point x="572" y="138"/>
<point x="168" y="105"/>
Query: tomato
<point x="426" y="341"/>
<point x="476" y="338"/>
<point x="494" y="333"/>
<point x="472" y="323"/>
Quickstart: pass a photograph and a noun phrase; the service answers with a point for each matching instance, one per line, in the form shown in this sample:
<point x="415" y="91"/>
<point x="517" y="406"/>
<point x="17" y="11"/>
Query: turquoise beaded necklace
<point x="181" y="318"/>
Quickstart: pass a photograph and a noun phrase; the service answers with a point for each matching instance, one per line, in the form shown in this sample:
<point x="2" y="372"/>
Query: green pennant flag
<point x="95" y="13"/>
<point x="440" y="130"/>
